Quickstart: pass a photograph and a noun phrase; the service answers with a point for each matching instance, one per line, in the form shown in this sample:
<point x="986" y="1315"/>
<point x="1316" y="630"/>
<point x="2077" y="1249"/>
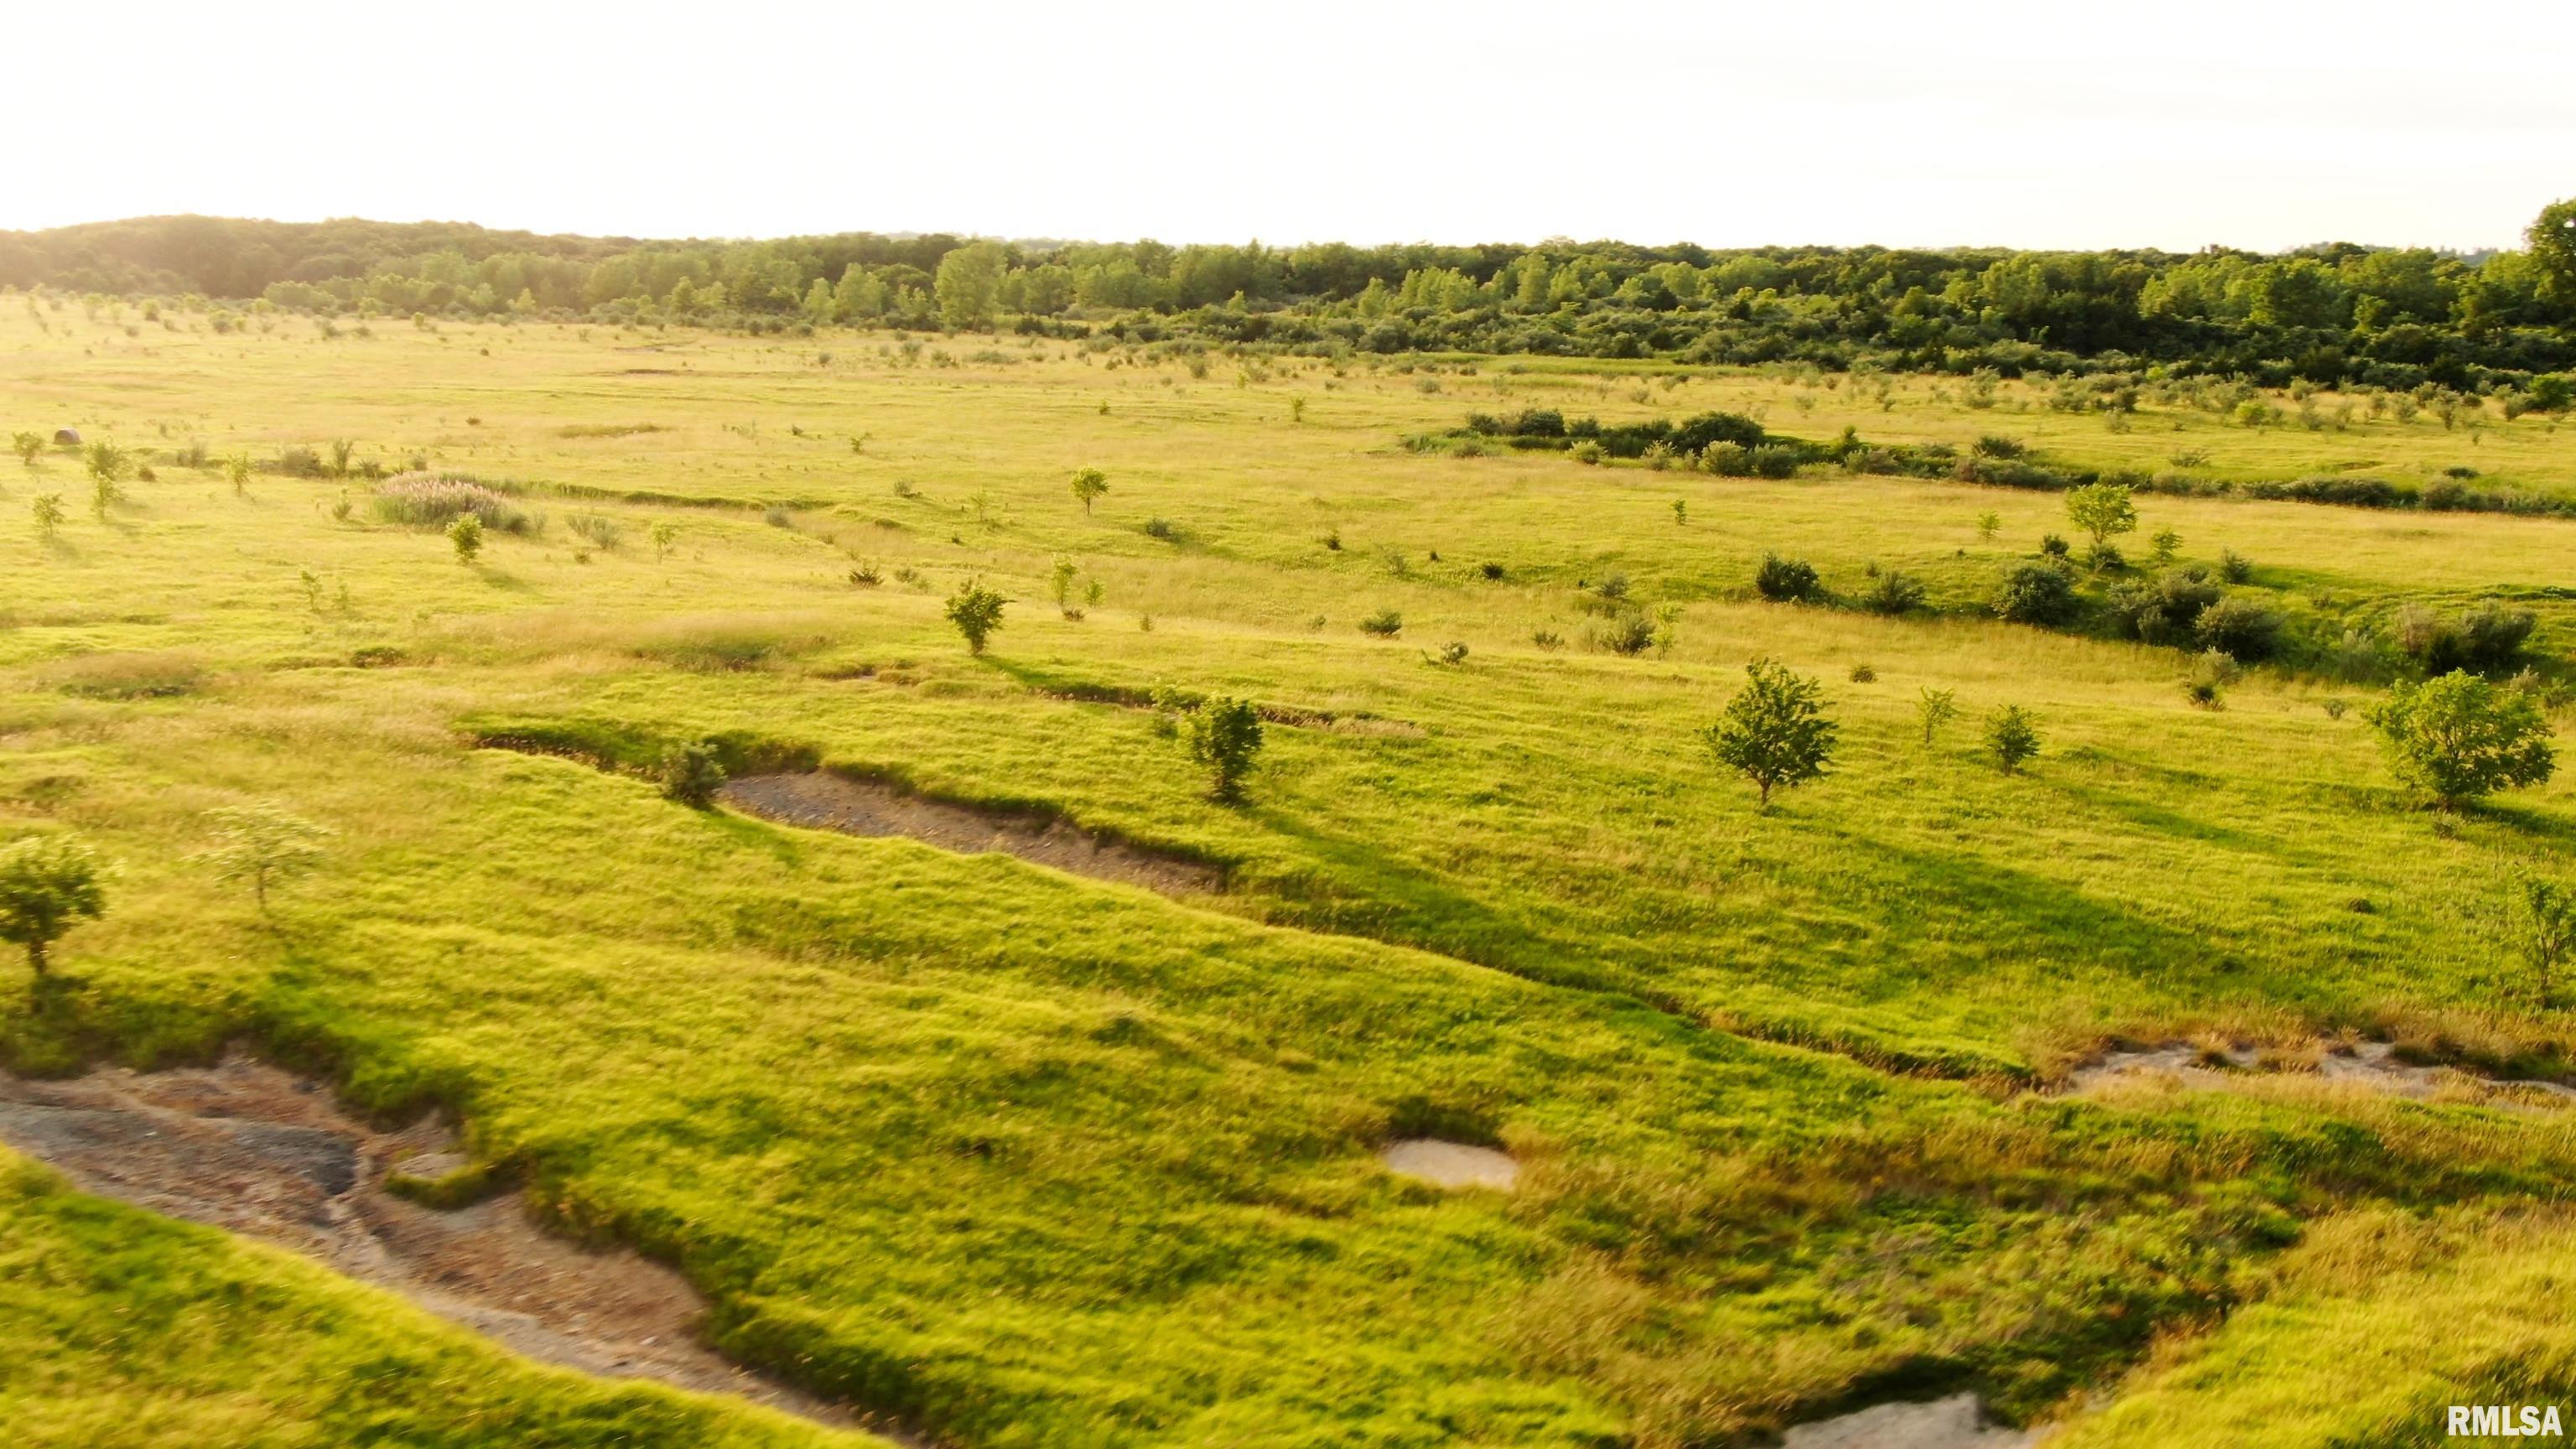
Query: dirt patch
<point x="249" y="1148"/>
<point x="2373" y="1066"/>
<point x="1451" y="1164"/>
<point x="1957" y="1422"/>
<point x="822" y="800"/>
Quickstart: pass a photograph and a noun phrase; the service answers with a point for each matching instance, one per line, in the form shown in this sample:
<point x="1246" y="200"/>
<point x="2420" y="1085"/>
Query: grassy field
<point x="1032" y="1159"/>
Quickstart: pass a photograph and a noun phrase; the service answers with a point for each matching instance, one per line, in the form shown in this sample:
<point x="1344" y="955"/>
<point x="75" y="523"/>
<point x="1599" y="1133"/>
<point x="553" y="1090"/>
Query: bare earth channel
<point x="249" y="1148"/>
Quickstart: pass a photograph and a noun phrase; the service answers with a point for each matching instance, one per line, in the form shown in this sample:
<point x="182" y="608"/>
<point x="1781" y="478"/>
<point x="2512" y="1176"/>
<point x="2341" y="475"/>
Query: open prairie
<point x="1074" y="1140"/>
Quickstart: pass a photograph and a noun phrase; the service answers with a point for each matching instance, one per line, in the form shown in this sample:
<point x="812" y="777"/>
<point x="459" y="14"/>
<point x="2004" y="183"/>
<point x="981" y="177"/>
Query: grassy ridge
<point x="1042" y="1160"/>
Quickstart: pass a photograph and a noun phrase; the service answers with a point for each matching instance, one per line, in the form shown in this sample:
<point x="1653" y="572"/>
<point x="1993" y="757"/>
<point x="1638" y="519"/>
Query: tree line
<point x="2334" y="313"/>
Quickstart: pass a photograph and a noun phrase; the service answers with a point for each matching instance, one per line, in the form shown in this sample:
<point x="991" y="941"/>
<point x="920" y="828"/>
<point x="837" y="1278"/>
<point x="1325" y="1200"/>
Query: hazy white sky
<point x="2076" y="124"/>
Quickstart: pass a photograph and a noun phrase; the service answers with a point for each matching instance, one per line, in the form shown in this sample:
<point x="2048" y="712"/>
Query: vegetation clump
<point x="1774" y="732"/>
<point x="977" y="613"/>
<point x="47" y="882"/>
<point x="2457" y="739"/>
<point x="1223" y="735"/>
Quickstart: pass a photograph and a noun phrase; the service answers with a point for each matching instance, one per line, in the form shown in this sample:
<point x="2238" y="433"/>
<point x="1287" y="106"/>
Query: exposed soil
<point x="2371" y="1065"/>
<point x="249" y="1148"/>
<point x="1957" y="1422"/>
<point x="825" y="801"/>
<point x="1451" y="1164"/>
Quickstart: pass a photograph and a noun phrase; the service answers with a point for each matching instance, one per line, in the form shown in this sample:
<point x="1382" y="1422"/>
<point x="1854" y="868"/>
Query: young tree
<point x="27" y="445"/>
<point x="263" y="845"/>
<point x="664" y="535"/>
<point x="1061" y="580"/>
<point x="2102" y="510"/>
<point x="1088" y="485"/>
<point x="237" y="472"/>
<point x="1774" y="732"/>
<point x="466" y="533"/>
<point x="2458" y="739"/>
<point x="2542" y="929"/>
<point x="1223" y="735"/>
<point x="106" y="463"/>
<point x="49" y="514"/>
<point x="1987" y="524"/>
<point x="2012" y="734"/>
<point x="1937" y="707"/>
<point x="977" y="612"/>
<point x="2166" y="542"/>
<point x="45" y="882"/>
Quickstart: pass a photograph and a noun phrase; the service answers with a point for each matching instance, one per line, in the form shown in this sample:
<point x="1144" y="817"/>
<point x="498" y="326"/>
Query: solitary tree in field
<point x="977" y="612"/>
<point x="106" y="463"/>
<point x="1061" y="580"/>
<point x="2103" y="510"/>
<point x="2457" y="739"/>
<point x="2012" y="735"/>
<point x="1088" y="485"/>
<point x="1937" y="707"/>
<point x="27" y="446"/>
<point x="49" y="514"/>
<point x="1774" y="732"/>
<point x="47" y="882"/>
<point x="263" y="845"/>
<point x="237" y="472"/>
<point x="2542" y="928"/>
<point x="664" y="535"/>
<point x="1224" y="735"/>
<point x="466" y="533"/>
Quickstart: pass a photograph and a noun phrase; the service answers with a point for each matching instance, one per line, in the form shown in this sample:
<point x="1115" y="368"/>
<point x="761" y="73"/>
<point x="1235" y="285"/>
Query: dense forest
<point x="2337" y="313"/>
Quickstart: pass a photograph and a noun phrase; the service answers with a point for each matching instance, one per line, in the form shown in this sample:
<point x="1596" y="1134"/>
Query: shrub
<point x="1783" y="580"/>
<point x="2235" y="567"/>
<point x="1936" y="708"/>
<point x="1774" y="460"/>
<point x="2163" y="610"/>
<point x="977" y="612"/>
<point x="1996" y="445"/>
<point x="27" y="445"/>
<point x="599" y="529"/>
<point x="465" y="534"/>
<point x="1864" y="674"/>
<point x="2052" y="546"/>
<point x="2038" y="593"/>
<point x="691" y="774"/>
<point x="2012" y="737"/>
<point x="1491" y="571"/>
<point x="1629" y="634"/>
<point x="1161" y="528"/>
<point x="2238" y="628"/>
<point x="2457" y="739"/>
<point x="1384" y="624"/>
<point x="1547" y="639"/>
<point x="864" y="575"/>
<point x="1452" y="653"/>
<point x="1586" y="452"/>
<point x="2486" y="640"/>
<point x="48" y="513"/>
<point x="2541" y="926"/>
<point x="1774" y="732"/>
<point x="434" y="500"/>
<point x="47" y="881"/>
<point x="1727" y="460"/>
<point x="1893" y="593"/>
<point x="1224" y="735"/>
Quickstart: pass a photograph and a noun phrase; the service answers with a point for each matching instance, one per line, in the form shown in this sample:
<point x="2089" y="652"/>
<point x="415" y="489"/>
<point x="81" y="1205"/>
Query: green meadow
<point x="1026" y="1158"/>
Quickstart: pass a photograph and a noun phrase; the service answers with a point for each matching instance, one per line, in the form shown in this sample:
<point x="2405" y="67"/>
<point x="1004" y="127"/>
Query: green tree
<point x="106" y="463"/>
<point x="466" y="533"/>
<point x="1936" y="707"/>
<point x="1774" y="732"/>
<point x="2102" y="510"/>
<point x="2458" y="739"/>
<point x="2553" y="251"/>
<point x="1223" y="735"/>
<point x="27" y="445"/>
<point x="1061" y="578"/>
<point x="1088" y="485"/>
<point x="46" y="882"/>
<point x="237" y="471"/>
<point x="977" y="612"/>
<point x="2012" y="735"/>
<point x="49" y="514"/>
<point x="264" y="845"/>
<point x="664" y="535"/>
<point x="2541" y="927"/>
<point x="965" y="285"/>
